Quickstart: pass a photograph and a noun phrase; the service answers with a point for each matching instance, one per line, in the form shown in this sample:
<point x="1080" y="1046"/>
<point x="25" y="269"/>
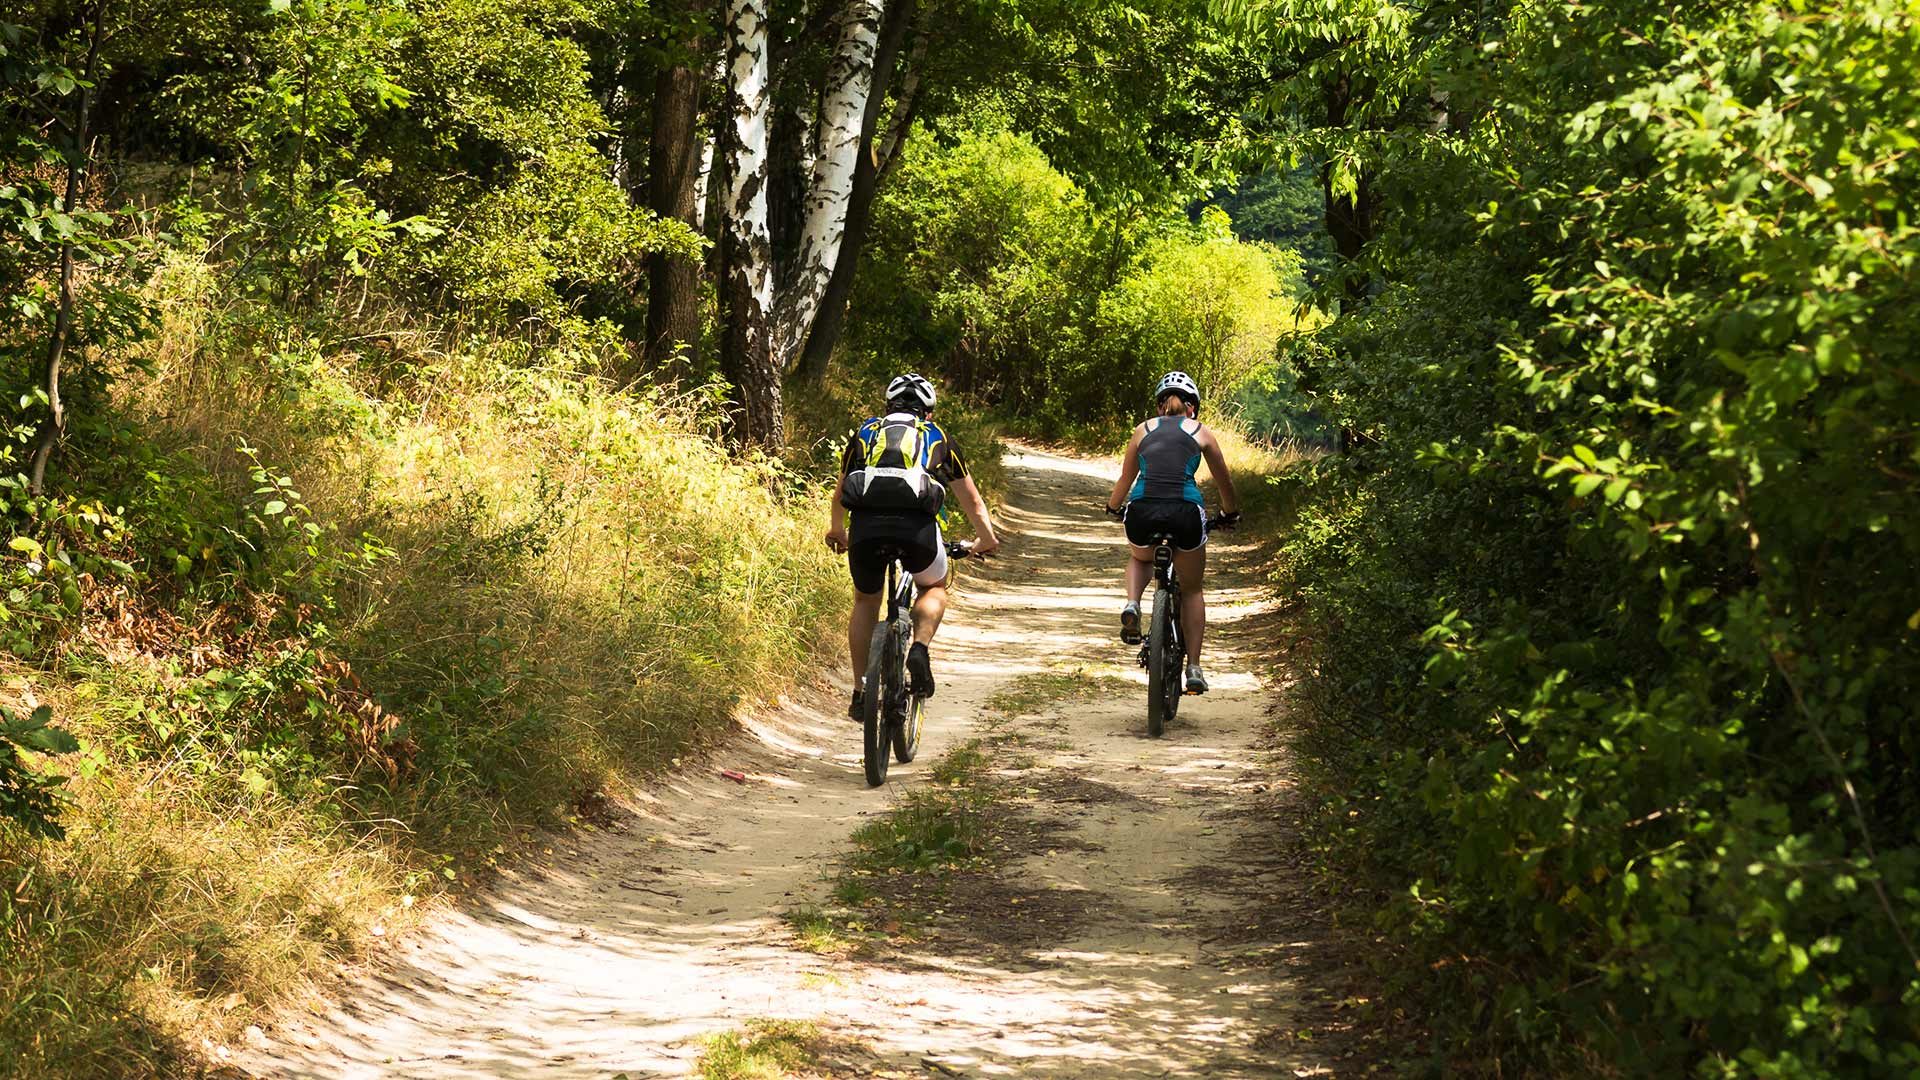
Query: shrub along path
<point x="1139" y="864"/>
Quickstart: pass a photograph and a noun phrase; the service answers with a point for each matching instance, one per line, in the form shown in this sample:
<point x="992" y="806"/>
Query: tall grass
<point x="1266" y="475"/>
<point x="577" y="585"/>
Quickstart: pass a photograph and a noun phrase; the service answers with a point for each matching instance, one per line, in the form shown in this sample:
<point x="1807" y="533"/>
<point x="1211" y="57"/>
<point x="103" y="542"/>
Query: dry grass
<point x="581" y="586"/>
<point x="1263" y="475"/>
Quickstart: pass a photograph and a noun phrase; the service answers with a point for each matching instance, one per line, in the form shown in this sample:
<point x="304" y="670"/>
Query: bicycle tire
<point x="1175" y="682"/>
<point x="906" y="737"/>
<point x="1160" y="640"/>
<point x="873" y="713"/>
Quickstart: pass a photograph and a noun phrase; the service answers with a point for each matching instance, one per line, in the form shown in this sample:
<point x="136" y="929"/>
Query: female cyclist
<point x="1157" y="480"/>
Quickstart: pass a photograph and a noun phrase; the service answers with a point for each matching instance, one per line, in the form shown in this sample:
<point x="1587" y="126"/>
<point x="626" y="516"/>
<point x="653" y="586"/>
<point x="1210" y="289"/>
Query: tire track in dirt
<point x="621" y="956"/>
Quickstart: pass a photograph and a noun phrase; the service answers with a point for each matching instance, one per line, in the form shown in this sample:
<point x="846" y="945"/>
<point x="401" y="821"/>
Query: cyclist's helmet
<point x="911" y="391"/>
<point x="1177" y="382"/>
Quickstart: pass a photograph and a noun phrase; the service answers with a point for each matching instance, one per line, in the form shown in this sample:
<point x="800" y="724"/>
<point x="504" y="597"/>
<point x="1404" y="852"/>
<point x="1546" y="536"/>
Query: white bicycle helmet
<point x="911" y="387"/>
<point x="1177" y="382"/>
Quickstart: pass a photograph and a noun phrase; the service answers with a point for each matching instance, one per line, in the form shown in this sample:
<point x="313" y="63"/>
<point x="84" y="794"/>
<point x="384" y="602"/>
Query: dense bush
<point x="1619" y="664"/>
<point x="992" y="269"/>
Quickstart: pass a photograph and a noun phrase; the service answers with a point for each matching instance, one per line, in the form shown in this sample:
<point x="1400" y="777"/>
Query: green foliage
<point x="991" y="269"/>
<point x="1619" y="665"/>
<point x="43" y="78"/>
<point x="500" y="145"/>
<point x="1285" y="208"/>
<point x="1135" y="101"/>
<point x="1202" y="301"/>
<point x="30" y="799"/>
<point x="330" y="65"/>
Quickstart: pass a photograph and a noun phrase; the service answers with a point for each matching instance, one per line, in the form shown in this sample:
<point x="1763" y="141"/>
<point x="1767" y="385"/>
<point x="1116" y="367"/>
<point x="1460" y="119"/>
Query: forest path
<point x="1134" y="938"/>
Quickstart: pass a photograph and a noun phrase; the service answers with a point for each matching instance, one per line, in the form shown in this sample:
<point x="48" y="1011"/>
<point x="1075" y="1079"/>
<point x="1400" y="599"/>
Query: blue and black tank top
<point x="1169" y="459"/>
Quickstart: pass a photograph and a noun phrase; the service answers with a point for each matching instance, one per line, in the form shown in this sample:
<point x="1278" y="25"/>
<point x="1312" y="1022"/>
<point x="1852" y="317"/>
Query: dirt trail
<point x="622" y="956"/>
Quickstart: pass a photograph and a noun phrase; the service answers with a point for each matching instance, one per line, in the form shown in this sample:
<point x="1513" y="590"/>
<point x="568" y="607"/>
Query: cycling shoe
<point x="920" y="670"/>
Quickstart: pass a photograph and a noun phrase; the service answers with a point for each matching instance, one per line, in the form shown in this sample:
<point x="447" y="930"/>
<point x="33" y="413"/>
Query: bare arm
<point x="837" y="518"/>
<point x="1129" y="470"/>
<point x="975" y="507"/>
<point x="1217" y="465"/>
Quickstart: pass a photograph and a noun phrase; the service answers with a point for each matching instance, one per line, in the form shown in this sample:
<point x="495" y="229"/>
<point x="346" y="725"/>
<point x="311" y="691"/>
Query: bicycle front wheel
<point x="1162" y="657"/>
<point x="873" y="710"/>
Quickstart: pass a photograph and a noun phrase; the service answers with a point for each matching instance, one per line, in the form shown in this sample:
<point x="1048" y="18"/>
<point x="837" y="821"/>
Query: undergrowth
<point x="336" y="607"/>
<point x="761" y="1050"/>
<point x="1039" y="691"/>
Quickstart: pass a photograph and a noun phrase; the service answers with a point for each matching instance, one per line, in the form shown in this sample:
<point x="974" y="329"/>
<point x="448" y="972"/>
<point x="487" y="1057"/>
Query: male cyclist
<point x="1157" y="479"/>
<point x="894" y="478"/>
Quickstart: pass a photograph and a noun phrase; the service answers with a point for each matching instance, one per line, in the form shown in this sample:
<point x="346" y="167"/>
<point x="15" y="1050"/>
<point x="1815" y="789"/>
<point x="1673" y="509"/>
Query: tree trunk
<point x="703" y="185"/>
<point x="673" y="191"/>
<point x="789" y="170"/>
<point x="843" y="133"/>
<point x="746" y="250"/>
<point x="905" y="105"/>
<point x="55" y="425"/>
<point x="830" y="314"/>
<point x="1349" y="217"/>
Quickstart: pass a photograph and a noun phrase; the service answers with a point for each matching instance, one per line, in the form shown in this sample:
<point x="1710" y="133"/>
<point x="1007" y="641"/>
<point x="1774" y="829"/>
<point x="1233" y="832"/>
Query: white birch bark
<point x="842" y="109"/>
<point x="747" y="150"/>
<point x="747" y="247"/>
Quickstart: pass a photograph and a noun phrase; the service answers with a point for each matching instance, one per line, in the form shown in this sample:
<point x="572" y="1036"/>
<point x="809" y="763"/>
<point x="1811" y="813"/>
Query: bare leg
<point x="928" y="610"/>
<point x="1139" y="572"/>
<point x="866" y="616"/>
<point x="1192" y="568"/>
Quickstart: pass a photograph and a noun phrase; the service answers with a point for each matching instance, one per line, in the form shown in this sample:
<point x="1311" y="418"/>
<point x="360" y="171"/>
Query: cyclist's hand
<point x="837" y="540"/>
<point x="1228" y="521"/>
<point x="983" y="548"/>
<point x="1117" y="515"/>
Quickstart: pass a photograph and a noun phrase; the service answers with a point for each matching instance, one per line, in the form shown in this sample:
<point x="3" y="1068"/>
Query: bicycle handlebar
<point x="958" y="549"/>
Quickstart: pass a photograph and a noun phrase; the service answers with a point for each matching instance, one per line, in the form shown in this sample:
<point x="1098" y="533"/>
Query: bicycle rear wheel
<point x="873" y="709"/>
<point x="1161" y="644"/>
<point x="906" y="737"/>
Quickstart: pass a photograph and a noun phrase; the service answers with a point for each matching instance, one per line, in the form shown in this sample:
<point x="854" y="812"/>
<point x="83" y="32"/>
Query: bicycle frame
<point x="891" y="713"/>
<point x="1164" y="632"/>
<point x="1163" y="647"/>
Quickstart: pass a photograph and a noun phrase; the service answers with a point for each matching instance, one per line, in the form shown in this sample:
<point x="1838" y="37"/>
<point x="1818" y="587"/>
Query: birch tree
<point x="841" y="134"/>
<point x="746" y="247"/>
<point x="828" y="317"/>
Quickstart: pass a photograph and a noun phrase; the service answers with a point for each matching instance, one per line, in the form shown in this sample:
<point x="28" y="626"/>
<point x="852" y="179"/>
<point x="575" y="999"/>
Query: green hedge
<point x="1618" y="674"/>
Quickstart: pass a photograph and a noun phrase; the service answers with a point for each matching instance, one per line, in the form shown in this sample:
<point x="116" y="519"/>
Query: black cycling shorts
<point x="1185" y="521"/>
<point x="873" y="538"/>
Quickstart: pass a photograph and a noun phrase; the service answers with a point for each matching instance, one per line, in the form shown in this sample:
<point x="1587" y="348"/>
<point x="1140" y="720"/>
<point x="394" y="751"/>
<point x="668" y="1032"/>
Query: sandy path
<point x="640" y="941"/>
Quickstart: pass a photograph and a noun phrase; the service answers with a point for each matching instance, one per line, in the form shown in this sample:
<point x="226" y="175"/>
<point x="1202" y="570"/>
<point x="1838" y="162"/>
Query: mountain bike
<point x="890" y="713"/>
<point x="1164" y="649"/>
